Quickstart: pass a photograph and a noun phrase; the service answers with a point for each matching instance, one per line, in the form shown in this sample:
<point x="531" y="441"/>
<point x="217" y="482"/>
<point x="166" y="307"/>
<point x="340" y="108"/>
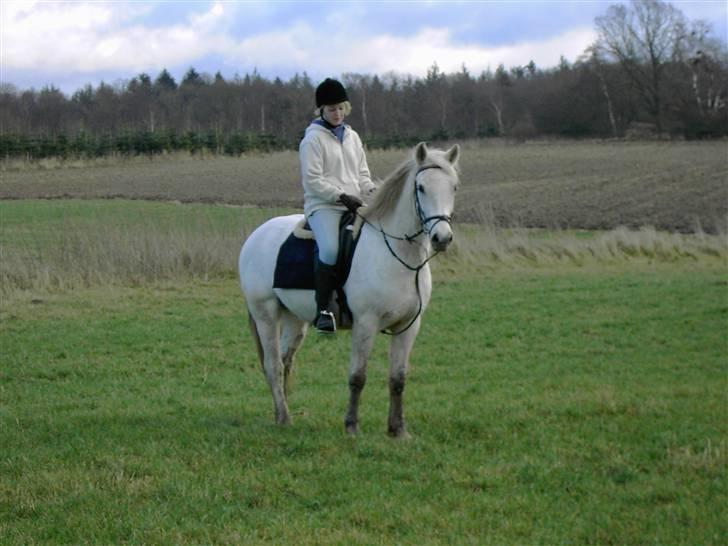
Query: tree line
<point x="651" y="73"/>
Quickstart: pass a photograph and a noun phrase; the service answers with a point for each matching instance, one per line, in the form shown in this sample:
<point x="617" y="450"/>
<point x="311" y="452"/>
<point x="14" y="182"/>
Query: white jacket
<point x="330" y="168"/>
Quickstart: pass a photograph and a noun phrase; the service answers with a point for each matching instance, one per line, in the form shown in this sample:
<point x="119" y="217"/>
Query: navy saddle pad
<point x="294" y="267"/>
<point x="295" y="263"/>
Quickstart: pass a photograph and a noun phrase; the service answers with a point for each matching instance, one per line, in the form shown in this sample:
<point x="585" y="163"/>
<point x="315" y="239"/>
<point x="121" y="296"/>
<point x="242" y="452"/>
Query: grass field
<point x="567" y="386"/>
<point x="561" y="407"/>
<point x="673" y="186"/>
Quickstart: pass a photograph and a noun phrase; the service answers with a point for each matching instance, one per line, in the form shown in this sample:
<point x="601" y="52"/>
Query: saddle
<point x="298" y="253"/>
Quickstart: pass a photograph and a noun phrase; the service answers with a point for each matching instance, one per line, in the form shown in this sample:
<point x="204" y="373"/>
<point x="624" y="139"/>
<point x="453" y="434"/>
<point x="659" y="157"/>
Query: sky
<point x="71" y="44"/>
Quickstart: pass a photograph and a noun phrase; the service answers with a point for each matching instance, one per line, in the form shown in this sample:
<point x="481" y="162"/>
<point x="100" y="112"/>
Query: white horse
<point x="407" y="222"/>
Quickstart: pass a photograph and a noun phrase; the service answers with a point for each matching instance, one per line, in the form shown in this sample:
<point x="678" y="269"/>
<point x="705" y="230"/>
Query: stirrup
<point x="325" y="322"/>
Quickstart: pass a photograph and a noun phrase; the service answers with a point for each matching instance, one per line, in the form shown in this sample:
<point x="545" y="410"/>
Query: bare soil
<point x="673" y="186"/>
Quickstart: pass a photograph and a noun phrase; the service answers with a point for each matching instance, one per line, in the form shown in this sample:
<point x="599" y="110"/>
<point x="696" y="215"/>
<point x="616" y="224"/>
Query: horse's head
<point x="435" y="183"/>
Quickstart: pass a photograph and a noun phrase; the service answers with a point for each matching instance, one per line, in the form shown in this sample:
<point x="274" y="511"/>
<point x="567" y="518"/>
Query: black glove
<point x="351" y="202"/>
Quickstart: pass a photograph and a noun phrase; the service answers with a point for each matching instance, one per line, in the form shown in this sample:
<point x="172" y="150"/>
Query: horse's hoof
<point x="352" y="429"/>
<point x="400" y="434"/>
<point x="283" y="420"/>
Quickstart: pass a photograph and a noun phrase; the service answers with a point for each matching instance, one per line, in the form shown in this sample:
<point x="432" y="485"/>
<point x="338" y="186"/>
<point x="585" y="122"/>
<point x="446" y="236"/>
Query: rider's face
<point x="334" y="114"/>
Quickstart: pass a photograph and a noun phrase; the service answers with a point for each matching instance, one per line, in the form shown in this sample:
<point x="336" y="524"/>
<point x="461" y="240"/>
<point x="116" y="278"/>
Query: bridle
<point x="424" y="220"/>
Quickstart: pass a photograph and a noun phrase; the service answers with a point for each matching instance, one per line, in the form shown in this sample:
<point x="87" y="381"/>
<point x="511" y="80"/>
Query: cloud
<point x="66" y="40"/>
<point x="298" y="45"/>
<point x="301" y="48"/>
<point x="59" y="38"/>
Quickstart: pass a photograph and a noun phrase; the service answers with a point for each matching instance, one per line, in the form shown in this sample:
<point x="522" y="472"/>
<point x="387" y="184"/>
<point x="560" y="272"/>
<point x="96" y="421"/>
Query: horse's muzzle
<point x="441" y="239"/>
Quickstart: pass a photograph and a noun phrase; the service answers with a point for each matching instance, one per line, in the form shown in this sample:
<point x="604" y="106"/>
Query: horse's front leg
<point x="399" y="352"/>
<point x="362" y="339"/>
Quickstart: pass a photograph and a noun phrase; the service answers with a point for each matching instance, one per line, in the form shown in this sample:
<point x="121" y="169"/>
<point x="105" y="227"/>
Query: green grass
<point x="566" y="388"/>
<point x="23" y="220"/>
<point x="548" y="406"/>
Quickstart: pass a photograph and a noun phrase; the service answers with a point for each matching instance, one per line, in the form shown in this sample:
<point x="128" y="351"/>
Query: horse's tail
<point x="256" y="338"/>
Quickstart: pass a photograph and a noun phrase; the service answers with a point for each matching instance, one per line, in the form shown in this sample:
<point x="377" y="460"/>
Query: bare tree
<point x="439" y="91"/>
<point x="358" y="84"/>
<point x="643" y="37"/>
<point x="10" y="115"/>
<point x="497" y="96"/>
<point x="707" y="59"/>
<point x="597" y="64"/>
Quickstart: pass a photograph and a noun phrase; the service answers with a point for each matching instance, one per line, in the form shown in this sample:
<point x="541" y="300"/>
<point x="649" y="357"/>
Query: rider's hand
<point x="351" y="202"/>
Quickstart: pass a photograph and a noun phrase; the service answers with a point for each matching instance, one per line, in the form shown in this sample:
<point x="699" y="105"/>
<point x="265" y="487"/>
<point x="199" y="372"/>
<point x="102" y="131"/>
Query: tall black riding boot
<point x="325" y="285"/>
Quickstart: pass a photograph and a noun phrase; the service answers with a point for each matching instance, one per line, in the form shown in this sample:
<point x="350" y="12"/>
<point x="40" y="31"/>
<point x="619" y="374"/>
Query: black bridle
<point x="424" y="220"/>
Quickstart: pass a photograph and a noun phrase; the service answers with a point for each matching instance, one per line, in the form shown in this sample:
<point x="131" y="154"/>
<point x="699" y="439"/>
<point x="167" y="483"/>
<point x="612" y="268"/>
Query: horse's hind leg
<point x="399" y="352"/>
<point x="293" y="331"/>
<point x="267" y="316"/>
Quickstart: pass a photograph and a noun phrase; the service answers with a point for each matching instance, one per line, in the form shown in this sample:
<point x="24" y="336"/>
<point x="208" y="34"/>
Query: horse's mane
<point x="387" y="196"/>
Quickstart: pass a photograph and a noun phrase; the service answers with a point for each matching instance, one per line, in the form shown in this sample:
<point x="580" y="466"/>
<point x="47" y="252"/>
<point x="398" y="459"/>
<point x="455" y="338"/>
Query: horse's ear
<point x="421" y="153"/>
<point x="453" y="154"/>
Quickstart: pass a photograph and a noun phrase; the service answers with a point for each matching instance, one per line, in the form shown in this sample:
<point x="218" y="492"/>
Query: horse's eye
<point x="421" y="189"/>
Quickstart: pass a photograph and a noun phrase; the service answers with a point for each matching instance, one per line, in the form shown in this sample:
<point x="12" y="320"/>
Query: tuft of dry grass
<point x="117" y="242"/>
<point x="118" y="255"/>
<point x="98" y="244"/>
<point x="488" y="246"/>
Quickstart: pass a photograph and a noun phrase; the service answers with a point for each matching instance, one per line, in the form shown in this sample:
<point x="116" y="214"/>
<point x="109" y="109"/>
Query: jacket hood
<point x="316" y="127"/>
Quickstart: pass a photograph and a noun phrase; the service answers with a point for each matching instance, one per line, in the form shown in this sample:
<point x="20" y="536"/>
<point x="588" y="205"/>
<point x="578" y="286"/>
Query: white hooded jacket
<point x="330" y="168"/>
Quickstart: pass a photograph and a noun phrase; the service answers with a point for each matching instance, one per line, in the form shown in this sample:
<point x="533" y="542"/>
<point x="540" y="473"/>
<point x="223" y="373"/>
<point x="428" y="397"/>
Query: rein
<point x="424" y="220"/>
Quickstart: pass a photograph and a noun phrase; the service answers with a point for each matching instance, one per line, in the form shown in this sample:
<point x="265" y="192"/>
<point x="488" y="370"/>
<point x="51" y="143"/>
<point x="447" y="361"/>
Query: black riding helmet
<point x="330" y="92"/>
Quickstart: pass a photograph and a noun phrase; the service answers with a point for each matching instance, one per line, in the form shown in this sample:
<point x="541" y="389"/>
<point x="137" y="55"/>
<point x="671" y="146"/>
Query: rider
<point x="335" y="177"/>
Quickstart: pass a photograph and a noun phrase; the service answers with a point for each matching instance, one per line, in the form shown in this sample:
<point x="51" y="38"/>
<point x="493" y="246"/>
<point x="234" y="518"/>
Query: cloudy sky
<point x="69" y="44"/>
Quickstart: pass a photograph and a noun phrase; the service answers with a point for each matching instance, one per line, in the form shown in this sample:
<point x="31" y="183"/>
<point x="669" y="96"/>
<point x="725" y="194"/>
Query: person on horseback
<point x="335" y="178"/>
